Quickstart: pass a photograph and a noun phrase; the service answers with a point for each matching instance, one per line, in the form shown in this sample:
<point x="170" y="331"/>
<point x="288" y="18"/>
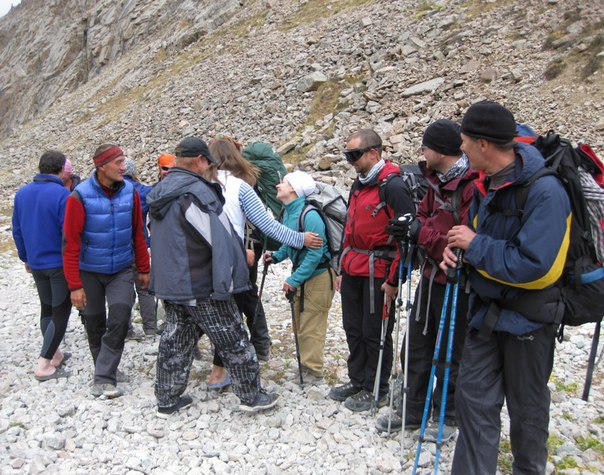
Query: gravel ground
<point x="58" y="427"/>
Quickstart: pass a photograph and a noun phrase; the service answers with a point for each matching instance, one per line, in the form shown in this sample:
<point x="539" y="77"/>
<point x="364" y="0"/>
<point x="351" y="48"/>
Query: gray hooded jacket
<point x="196" y="253"/>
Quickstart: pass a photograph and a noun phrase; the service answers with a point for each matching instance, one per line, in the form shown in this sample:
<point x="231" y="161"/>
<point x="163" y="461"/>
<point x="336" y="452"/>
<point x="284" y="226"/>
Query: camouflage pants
<point x="222" y="323"/>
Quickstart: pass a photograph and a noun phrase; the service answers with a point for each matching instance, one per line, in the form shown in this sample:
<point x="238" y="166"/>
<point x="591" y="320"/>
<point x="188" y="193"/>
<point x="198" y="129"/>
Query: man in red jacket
<point x="445" y="204"/>
<point x="369" y="279"/>
<point x="103" y="236"/>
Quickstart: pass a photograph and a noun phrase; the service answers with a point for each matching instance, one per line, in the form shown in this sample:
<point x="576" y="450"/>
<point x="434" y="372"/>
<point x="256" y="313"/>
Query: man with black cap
<point x="445" y="204"/>
<point x="506" y="355"/>
<point x="103" y="236"/>
<point x="196" y="277"/>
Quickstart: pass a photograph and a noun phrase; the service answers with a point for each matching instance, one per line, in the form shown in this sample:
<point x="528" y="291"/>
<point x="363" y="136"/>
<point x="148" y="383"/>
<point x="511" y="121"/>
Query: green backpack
<point x="272" y="171"/>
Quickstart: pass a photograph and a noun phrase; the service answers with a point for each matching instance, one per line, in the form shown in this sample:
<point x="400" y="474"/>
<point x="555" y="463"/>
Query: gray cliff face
<point x="50" y="48"/>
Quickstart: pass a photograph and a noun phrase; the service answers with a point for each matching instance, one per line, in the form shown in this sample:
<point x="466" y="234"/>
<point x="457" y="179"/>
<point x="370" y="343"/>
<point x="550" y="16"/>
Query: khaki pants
<point x="312" y="323"/>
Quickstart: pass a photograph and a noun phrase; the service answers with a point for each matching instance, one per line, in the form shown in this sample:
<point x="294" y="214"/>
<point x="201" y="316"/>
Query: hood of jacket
<point x="177" y="183"/>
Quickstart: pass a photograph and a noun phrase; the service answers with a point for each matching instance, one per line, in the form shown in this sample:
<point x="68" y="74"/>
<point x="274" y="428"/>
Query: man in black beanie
<point x="445" y="204"/>
<point x="510" y="256"/>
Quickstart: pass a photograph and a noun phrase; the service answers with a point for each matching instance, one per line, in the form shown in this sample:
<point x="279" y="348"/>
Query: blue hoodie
<point x="38" y="216"/>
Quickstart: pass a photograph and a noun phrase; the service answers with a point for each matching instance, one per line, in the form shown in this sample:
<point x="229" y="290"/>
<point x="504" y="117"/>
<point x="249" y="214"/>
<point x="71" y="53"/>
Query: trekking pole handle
<point x="452" y="271"/>
<point x="406" y="218"/>
<point x="290" y="294"/>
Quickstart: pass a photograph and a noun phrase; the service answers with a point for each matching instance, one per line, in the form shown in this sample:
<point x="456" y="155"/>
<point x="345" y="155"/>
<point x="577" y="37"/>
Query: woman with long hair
<point x="237" y="177"/>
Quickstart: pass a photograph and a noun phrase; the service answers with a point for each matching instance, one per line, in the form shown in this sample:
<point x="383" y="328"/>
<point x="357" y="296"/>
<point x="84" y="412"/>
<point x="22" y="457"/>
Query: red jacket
<point x="436" y="216"/>
<point x="365" y="225"/>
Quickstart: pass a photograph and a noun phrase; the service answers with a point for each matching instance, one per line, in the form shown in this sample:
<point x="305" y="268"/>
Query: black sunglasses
<point x="165" y="168"/>
<point x="354" y="154"/>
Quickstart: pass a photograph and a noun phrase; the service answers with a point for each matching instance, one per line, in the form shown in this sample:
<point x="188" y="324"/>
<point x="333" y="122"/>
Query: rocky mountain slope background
<point x="301" y="74"/>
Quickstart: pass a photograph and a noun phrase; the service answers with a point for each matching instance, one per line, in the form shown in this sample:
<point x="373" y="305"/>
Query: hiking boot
<point x="262" y="402"/>
<point x="121" y="377"/>
<point x="343" y="392"/>
<point x="431" y="434"/>
<point x="396" y="423"/>
<point x="363" y="401"/>
<point x="150" y="332"/>
<point x="96" y="390"/>
<point x="110" y="391"/>
<point x="133" y="336"/>
<point x="183" y="401"/>
<point x="311" y="378"/>
<point x="263" y="356"/>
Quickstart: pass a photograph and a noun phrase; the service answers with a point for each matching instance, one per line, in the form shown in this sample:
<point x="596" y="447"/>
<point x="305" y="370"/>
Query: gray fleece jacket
<point x="196" y="254"/>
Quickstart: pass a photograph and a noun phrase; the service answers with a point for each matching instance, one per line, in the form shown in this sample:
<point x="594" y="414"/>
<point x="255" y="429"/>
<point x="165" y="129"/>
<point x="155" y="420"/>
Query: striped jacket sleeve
<point x="254" y="210"/>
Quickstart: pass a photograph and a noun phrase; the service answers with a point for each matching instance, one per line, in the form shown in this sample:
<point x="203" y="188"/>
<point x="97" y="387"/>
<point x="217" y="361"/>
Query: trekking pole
<point x="456" y="275"/>
<point x="405" y="389"/>
<point x="408" y="253"/>
<point x="290" y="296"/>
<point x="378" y="370"/>
<point x="427" y="404"/>
<point x="591" y="362"/>
<point x="399" y="304"/>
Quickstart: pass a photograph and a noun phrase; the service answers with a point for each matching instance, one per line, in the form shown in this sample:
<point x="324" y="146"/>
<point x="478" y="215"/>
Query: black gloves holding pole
<point x="405" y="228"/>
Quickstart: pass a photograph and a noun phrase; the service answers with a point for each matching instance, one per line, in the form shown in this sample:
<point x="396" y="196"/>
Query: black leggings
<point x="55" y="308"/>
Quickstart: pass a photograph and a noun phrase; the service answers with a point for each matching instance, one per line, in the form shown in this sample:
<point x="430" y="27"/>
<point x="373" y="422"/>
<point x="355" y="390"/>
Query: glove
<point x="404" y="230"/>
<point x="398" y="228"/>
<point x="414" y="230"/>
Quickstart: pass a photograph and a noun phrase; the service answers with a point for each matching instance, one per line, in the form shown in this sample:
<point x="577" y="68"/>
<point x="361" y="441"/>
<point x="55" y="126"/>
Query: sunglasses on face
<point x="354" y="154"/>
<point x="165" y="168"/>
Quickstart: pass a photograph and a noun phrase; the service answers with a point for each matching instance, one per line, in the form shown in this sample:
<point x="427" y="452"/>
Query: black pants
<point x="422" y="340"/>
<point x="516" y="368"/>
<point x="251" y="307"/>
<point x="55" y="308"/>
<point x="363" y="331"/>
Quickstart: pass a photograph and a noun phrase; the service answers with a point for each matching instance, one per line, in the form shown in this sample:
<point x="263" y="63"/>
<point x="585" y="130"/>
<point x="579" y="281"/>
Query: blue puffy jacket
<point x="143" y="191"/>
<point x="107" y="236"/>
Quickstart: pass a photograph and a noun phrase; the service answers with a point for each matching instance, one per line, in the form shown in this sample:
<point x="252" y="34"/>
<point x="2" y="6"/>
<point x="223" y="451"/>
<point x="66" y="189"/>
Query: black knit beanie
<point x="443" y="137"/>
<point x="490" y="121"/>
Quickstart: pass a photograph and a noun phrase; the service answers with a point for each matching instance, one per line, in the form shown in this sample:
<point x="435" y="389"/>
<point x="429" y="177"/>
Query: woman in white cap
<point x="312" y="281"/>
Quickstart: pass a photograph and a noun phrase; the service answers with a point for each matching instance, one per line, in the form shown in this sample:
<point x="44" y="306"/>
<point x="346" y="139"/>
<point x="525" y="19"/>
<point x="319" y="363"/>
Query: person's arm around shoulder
<point x="254" y="210"/>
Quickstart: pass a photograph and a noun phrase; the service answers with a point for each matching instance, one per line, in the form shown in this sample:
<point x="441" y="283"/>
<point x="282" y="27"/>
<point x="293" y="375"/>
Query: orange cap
<point x="166" y="160"/>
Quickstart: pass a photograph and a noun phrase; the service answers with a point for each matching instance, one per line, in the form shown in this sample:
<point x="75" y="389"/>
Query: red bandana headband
<point x="107" y="155"/>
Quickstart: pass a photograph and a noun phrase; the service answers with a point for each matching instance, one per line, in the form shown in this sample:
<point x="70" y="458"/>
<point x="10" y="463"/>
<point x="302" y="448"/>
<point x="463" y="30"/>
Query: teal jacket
<point x="307" y="262"/>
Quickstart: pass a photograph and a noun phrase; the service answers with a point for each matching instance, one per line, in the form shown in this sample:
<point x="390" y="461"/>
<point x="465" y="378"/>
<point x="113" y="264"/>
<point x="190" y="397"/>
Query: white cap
<point x="302" y="183"/>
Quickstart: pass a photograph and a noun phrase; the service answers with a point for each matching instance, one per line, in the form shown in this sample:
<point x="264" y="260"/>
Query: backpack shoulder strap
<point x="456" y="202"/>
<point x="307" y="207"/>
<point x="521" y="193"/>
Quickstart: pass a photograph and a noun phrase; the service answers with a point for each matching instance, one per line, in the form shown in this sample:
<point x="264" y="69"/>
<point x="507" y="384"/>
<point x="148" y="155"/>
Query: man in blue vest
<point x="103" y="235"/>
